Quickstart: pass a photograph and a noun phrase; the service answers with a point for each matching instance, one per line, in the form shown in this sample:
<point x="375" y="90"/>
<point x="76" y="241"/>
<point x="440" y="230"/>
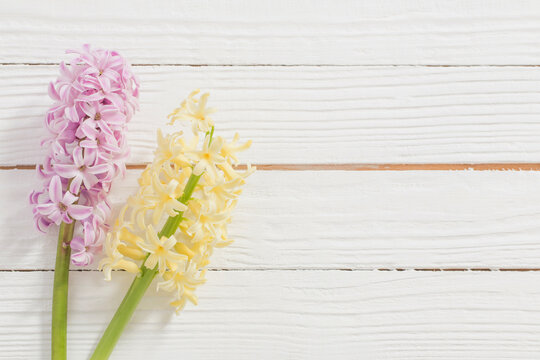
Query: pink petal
<point x="98" y="95"/>
<point x="115" y="118"/>
<point x="65" y="218"/>
<point x="105" y="127"/>
<point x="89" y="180"/>
<point x="90" y="157"/>
<point x="34" y="197"/>
<point x="82" y="258"/>
<point x="111" y="74"/>
<point x="55" y="189"/>
<point x="66" y="170"/>
<point x="46" y="209"/>
<point x="99" y="169"/>
<point x="42" y="223"/>
<point x="79" y="212"/>
<point x="105" y="83"/>
<point x="71" y="114"/>
<point x="69" y="198"/>
<point x="75" y="185"/>
<point x="88" y="109"/>
<point x="87" y="129"/>
<point x="78" y="157"/>
<point x="52" y="92"/>
<point x="77" y="244"/>
<point x="89" y="144"/>
<point x="89" y="234"/>
<point x="57" y="218"/>
<point x="57" y="148"/>
<point x="115" y="99"/>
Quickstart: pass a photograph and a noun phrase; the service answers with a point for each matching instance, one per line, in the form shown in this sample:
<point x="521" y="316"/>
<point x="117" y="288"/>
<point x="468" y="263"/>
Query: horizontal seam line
<point x="321" y="269"/>
<point x="291" y="65"/>
<point x="357" y="167"/>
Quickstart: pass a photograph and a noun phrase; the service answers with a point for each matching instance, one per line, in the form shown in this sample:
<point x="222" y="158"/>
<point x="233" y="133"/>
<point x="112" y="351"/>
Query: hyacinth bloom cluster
<point x="94" y="97"/>
<point x="205" y="165"/>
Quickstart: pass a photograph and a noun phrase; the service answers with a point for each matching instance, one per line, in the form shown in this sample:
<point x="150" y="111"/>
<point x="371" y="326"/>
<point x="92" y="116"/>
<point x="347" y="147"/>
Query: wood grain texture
<point x="341" y="220"/>
<point x="277" y="32"/>
<point x="317" y="115"/>
<point x="289" y="315"/>
<point x="328" y="91"/>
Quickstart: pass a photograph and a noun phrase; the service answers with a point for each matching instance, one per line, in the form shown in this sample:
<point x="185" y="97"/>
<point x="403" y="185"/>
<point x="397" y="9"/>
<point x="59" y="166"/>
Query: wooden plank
<point x="341" y="220"/>
<point x="289" y="314"/>
<point x="324" y="115"/>
<point x="277" y="31"/>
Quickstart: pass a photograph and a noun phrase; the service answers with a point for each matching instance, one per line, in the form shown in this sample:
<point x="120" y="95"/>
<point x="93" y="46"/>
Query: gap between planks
<point x="289" y="65"/>
<point x="320" y="269"/>
<point x="357" y="167"/>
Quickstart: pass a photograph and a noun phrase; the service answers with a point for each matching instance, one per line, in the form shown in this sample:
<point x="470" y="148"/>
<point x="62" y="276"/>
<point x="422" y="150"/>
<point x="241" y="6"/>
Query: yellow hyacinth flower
<point x="161" y="251"/>
<point x="179" y="254"/>
<point x="194" y="110"/>
<point x="114" y="259"/>
<point x="166" y="197"/>
<point x="208" y="157"/>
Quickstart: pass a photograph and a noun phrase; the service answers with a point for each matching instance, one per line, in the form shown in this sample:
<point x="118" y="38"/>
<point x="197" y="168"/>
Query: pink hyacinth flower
<point x="61" y="207"/>
<point x="83" y="170"/>
<point x="82" y="247"/>
<point x="94" y="97"/>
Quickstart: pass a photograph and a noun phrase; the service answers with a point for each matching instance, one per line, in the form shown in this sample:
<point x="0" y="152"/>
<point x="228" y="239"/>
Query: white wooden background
<point x="389" y="219"/>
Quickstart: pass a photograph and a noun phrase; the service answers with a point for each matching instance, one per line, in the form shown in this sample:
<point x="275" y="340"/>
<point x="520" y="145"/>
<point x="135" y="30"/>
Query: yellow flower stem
<point x="60" y="292"/>
<point x="211" y="133"/>
<point x="174" y="221"/>
<point x="139" y="285"/>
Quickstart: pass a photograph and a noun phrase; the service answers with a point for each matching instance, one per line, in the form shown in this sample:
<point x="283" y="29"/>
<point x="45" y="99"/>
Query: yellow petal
<point x="135" y="254"/>
<point x="183" y="249"/>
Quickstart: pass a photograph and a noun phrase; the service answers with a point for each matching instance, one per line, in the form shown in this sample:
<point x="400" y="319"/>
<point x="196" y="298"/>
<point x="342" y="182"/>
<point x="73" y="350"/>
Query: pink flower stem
<point x="60" y="292"/>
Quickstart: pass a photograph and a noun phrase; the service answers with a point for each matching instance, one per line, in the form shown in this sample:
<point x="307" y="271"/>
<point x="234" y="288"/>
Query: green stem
<point x="60" y="293"/>
<point x="211" y="134"/>
<point x="123" y="314"/>
<point x="139" y="285"/>
<point x="174" y="221"/>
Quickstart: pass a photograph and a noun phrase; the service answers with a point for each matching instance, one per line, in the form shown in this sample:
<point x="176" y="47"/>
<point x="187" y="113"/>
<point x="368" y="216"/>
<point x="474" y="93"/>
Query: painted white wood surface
<point x="317" y="114"/>
<point x="277" y="31"/>
<point x="342" y="220"/>
<point x="290" y="315"/>
<point x="347" y="84"/>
